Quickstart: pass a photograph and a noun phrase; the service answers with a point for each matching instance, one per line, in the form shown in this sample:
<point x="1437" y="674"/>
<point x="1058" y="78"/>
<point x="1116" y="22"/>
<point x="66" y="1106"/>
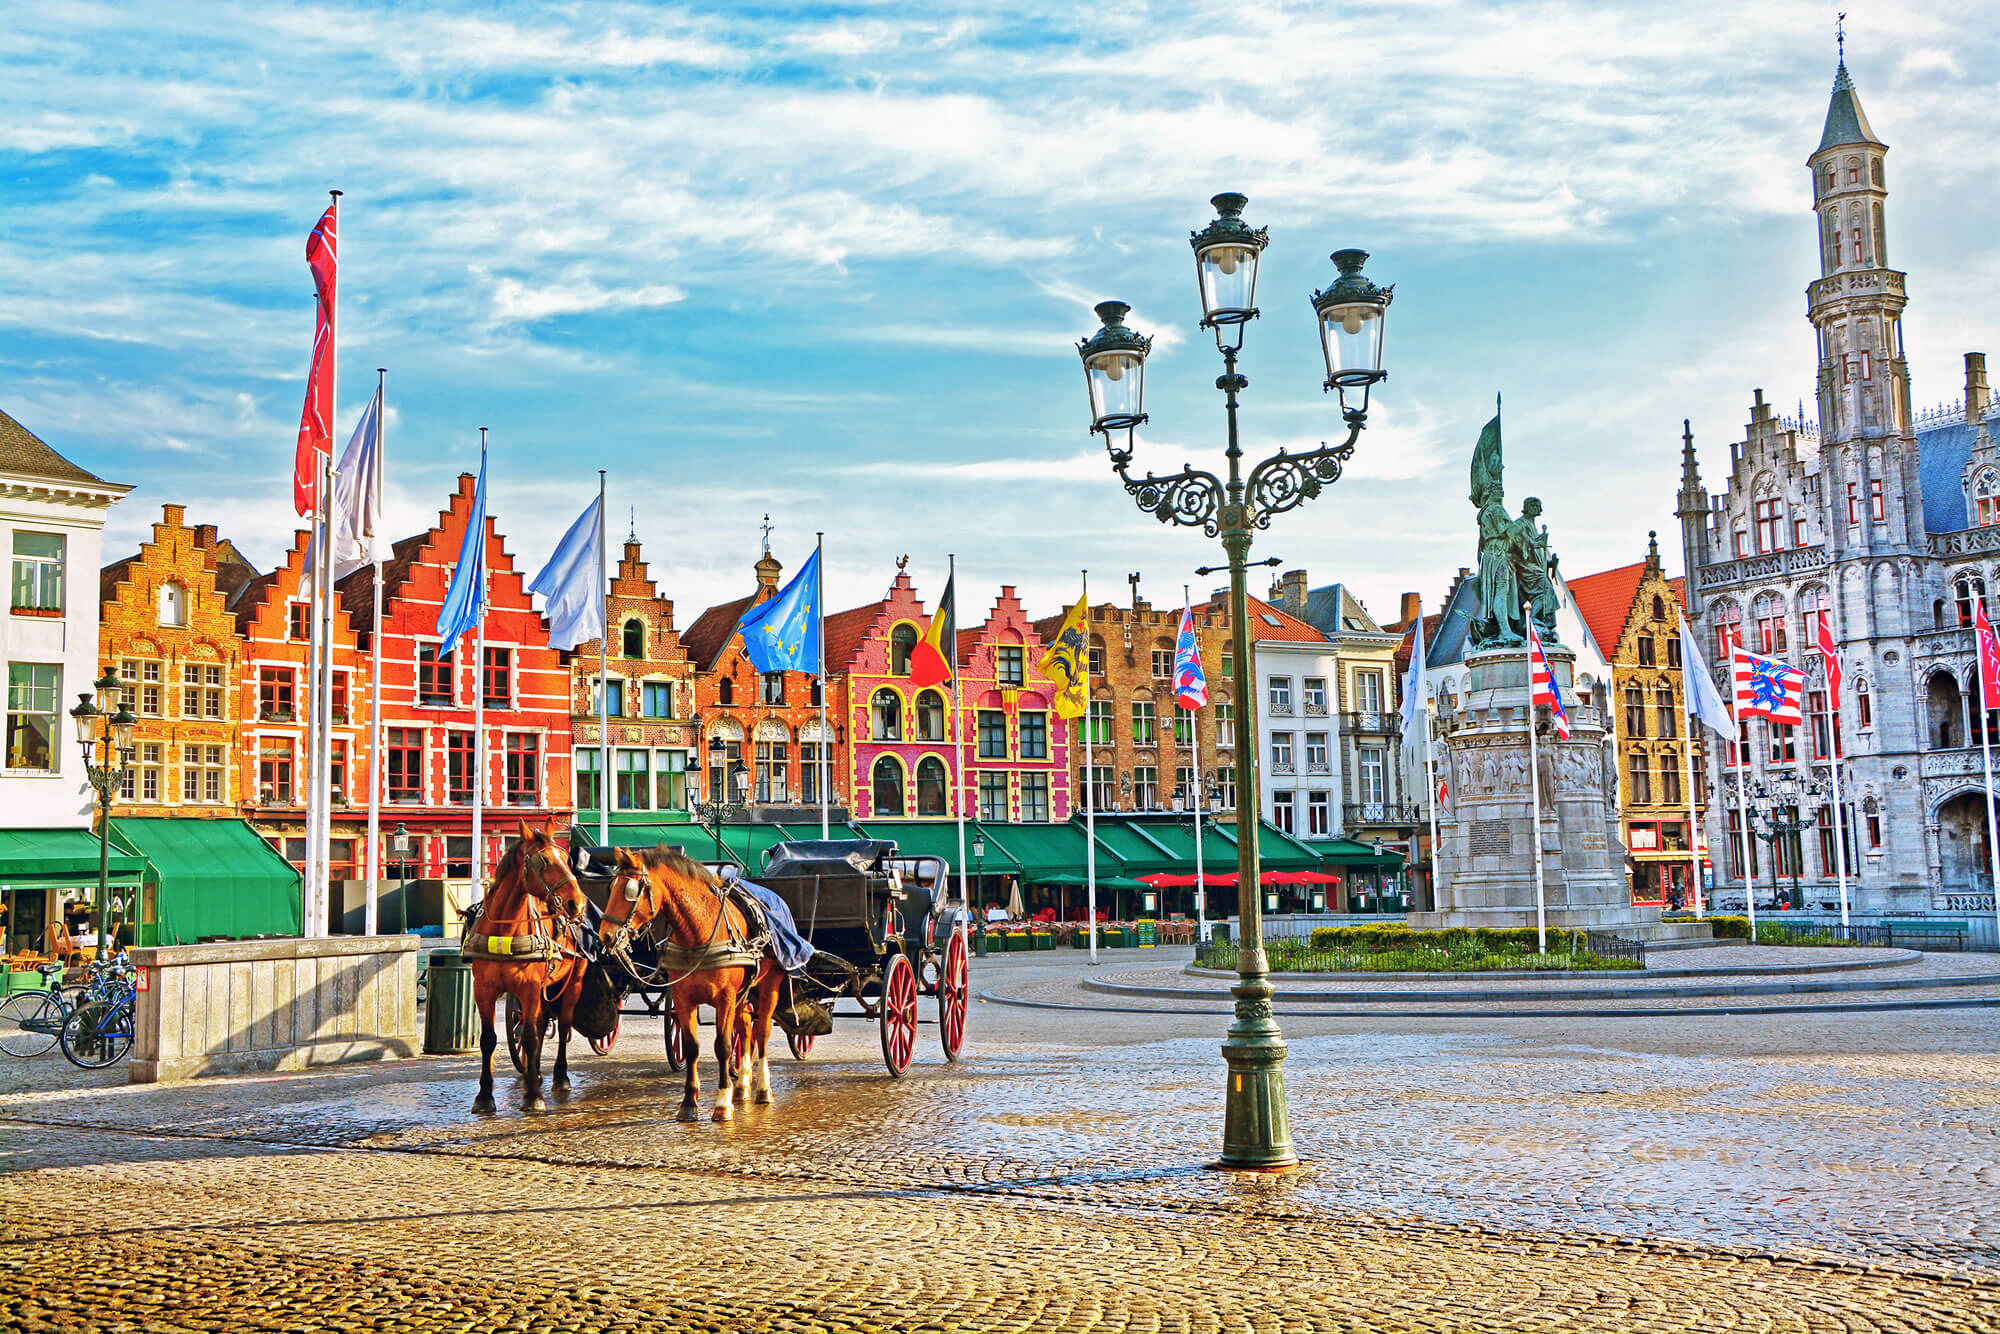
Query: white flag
<point x="358" y="539"/>
<point x="573" y="582"/>
<point x="1704" y="701"/>
<point x="1414" y="739"/>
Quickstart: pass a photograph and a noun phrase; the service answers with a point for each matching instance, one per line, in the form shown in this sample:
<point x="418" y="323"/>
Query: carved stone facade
<point x="1893" y="524"/>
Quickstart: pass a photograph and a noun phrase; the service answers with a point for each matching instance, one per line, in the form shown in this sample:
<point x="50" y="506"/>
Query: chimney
<point x="204" y="536"/>
<point x="1290" y="592"/>
<point x="1978" y="398"/>
<point x="173" y="516"/>
<point x="1413" y="607"/>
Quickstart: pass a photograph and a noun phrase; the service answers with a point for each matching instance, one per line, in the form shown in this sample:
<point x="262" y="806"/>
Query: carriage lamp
<point x="979" y="847"/>
<point x="1256" y="1132"/>
<point x="1352" y="312"/>
<point x="1226" y="253"/>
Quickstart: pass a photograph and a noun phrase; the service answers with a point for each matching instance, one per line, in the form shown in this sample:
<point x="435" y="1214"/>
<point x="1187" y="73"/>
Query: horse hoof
<point x="763" y="1099"/>
<point x="536" y="1104"/>
<point x="483" y="1103"/>
<point x="721" y="1114"/>
<point x="560" y="1088"/>
<point x="687" y="1114"/>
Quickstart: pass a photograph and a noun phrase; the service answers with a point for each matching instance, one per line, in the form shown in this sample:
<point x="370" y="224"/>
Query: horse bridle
<point x="622" y="891"/>
<point x="537" y="887"/>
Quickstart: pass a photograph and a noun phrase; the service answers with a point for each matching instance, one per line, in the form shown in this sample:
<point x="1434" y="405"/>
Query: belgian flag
<point x="934" y="662"/>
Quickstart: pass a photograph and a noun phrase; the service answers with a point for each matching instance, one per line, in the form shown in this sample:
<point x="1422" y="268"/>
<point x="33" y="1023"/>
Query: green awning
<point x="1133" y="849"/>
<point x="214" y="878"/>
<point x="939" y="838"/>
<point x="61" y="856"/>
<point x="1039" y="849"/>
<point x="1218" y="849"/>
<point x="1080" y="882"/>
<point x="1353" y="852"/>
<point x="1276" y="850"/>
<point x="691" y="838"/>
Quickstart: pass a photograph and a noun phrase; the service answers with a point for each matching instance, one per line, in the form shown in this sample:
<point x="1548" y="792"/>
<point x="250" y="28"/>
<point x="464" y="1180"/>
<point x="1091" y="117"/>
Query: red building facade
<point x="1018" y="749"/>
<point x="429" y="751"/>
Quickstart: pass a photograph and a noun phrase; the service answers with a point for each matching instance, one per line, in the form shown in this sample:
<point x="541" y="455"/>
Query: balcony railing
<point x="1371" y="720"/>
<point x="1383" y="812"/>
<point x="1315" y="708"/>
<point x="1281" y="710"/>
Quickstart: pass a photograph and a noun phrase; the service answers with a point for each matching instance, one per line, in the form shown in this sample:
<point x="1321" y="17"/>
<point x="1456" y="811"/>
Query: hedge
<point x="1730" y="928"/>
<point x="1374" y="939"/>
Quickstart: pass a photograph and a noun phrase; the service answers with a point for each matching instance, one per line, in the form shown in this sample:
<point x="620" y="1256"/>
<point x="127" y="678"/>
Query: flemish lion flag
<point x="1067" y="664"/>
<point x="932" y="664"/>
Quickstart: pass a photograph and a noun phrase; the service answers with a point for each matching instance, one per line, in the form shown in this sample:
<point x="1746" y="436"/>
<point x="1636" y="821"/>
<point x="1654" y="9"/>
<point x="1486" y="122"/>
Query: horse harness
<point x="629" y="888"/>
<point x="538" y="946"/>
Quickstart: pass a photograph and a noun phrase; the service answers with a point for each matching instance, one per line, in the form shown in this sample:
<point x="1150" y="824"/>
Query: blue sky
<point x="829" y="261"/>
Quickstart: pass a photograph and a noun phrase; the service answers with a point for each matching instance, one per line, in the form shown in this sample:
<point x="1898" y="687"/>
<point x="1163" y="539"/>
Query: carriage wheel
<point x="602" y="1046"/>
<point x="802" y="1045"/>
<point x="516" y="1051"/>
<point x="952" y="992"/>
<point x="899" y="1013"/>
<point x="677" y="1052"/>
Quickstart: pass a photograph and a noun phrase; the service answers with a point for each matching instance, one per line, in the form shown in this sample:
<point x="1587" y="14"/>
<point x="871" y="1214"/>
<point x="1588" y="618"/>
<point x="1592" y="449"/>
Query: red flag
<point x="1989" y="656"/>
<point x="316" y="417"/>
<point x="1542" y="685"/>
<point x="1829" y="654"/>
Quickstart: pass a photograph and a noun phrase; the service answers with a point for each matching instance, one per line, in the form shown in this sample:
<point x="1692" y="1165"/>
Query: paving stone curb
<point x="1585" y="1012"/>
<point x="1371" y="998"/>
<point x="1903" y="960"/>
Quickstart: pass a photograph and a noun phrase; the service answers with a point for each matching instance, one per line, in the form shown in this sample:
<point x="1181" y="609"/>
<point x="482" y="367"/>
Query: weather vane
<point x="767" y="534"/>
<point x="902" y="563"/>
<point x="632" y="532"/>
<point x="1840" y="34"/>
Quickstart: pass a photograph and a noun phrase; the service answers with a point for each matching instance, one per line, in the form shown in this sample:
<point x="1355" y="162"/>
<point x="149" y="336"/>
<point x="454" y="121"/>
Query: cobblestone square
<point x="1817" y="1171"/>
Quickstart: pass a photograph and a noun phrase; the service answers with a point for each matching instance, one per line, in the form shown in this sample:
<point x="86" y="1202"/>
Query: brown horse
<point x="698" y="921"/>
<point x="518" y="946"/>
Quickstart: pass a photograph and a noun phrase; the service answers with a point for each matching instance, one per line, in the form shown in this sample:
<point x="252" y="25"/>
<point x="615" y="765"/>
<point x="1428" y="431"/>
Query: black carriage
<point x="884" y="930"/>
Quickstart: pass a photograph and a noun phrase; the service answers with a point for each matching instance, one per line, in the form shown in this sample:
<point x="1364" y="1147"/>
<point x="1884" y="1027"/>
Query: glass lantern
<point x="1352" y="313"/>
<point x="1226" y="253"/>
<point x="1114" y="368"/>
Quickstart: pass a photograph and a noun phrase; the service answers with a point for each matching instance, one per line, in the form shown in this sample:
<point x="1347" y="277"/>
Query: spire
<point x="1653" y="554"/>
<point x="1690" y="468"/>
<point x="1846" y="123"/>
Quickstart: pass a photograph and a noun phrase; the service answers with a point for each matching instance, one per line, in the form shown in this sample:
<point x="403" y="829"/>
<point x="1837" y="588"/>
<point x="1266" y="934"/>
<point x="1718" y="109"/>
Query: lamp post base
<point x="1256" y="1129"/>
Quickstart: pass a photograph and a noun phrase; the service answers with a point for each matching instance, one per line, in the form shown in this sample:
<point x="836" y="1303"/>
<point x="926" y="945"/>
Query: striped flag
<point x="1190" y="682"/>
<point x="1766" y="686"/>
<point x="1829" y="653"/>
<point x="316" y="417"/>
<point x="1543" y="683"/>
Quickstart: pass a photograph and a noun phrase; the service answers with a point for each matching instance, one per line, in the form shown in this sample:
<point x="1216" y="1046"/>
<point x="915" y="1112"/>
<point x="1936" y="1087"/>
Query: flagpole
<point x="315" y="738"/>
<point x="479" y="692"/>
<point x="1986" y="758"/>
<point x="1198" y="797"/>
<point x="1833" y="733"/>
<point x="1431" y="793"/>
<point x="1694" y="828"/>
<point x="1743" y="823"/>
<point x="1535" y="791"/>
<point x="603" y="686"/>
<point x="372" y="911"/>
<point x="1089" y="801"/>
<point x="825" y="738"/>
<point x="323" y="836"/>
<point x="957" y="720"/>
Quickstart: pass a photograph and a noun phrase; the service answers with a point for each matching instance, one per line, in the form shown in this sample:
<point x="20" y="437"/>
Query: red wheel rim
<point x="899" y="1014"/>
<point x="677" y="1045"/>
<point x="602" y="1046"/>
<point x="802" y="1044"/>
<point x="953" y="991"/>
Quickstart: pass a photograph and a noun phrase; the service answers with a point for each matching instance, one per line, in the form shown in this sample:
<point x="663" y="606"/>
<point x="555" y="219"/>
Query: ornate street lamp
<point x="106" y="741"/>
<point x="728" y="803"/>
<point x="1352" y="311"/>
<point x="1786" y="792"/>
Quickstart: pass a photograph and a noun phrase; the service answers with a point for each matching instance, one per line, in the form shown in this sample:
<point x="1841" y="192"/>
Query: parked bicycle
<point x="31" y="1021"/>
<point x="100" y="1030"/>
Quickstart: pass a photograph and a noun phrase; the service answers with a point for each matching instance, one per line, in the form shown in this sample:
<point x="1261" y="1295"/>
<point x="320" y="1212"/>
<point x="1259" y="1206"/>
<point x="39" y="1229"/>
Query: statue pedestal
<point x="1486" y="867"/>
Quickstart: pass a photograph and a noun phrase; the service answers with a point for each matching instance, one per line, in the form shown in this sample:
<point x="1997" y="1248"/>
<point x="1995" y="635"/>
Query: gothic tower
<point x="1872" y="500"/>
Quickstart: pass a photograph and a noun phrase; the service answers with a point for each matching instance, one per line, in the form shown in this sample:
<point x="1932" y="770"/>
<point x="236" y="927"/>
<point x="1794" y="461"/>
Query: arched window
<point x="930" y="717"/>
<point x="902" y="643"/>
<point x="1728" y="629"/>
<point x="930" y="786"/>
<point x="1447" y="698"/>
<point x="888" y="786"/>
<point x="635" y="638"/>
<point x="1768" y="613"/>
<point x="1969" y="589"/>
<point x="173" y="604"/>
<point x="1812" y="601"/>
<point x="1881" y="242"/>
<point x="725" y="691"/>
<point x="885" y="713"/>
<point x="1659" y="608"/>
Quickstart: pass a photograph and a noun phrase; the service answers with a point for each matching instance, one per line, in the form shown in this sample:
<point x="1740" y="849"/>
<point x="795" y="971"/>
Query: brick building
<point x="1017" y="750"/>
<point x="898" y="751"/>
<point x="768" y="723"/>
<point x="1634" y="614"/>
<point x="651" y="703"/>
<point x="1140" y="745"/>
<point x="273" y="617"/>
<point x="428" y="702"/>
<point x="166" y="629"/>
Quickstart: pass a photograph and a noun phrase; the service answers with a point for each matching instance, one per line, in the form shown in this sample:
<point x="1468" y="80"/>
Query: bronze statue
<point x="1516" y="566"/>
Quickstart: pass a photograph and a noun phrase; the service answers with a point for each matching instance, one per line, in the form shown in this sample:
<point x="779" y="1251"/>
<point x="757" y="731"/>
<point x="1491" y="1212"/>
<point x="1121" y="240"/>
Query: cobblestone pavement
<point x="1805" y="1173"/>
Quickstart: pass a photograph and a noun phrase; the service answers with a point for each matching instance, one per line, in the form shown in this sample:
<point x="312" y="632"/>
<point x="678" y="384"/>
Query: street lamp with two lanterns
<point x="106" y="740"/>
<point x="1351" y="313"/>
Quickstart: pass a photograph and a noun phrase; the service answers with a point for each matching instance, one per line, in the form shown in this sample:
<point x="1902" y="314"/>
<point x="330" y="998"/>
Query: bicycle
<point x="100" y="1029"/>
<point x="31" y="1021"/>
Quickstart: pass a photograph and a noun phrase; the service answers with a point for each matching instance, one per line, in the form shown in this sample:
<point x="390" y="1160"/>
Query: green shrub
<point x="1730" y="928"/>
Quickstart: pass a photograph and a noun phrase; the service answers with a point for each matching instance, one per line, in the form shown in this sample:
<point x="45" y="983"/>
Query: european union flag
<point x="782" y="635"/>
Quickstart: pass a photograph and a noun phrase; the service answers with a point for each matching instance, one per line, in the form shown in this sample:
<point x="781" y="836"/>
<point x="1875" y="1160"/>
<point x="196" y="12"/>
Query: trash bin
<point x="450" y="1022"/>
<point x="1219" y="931"/>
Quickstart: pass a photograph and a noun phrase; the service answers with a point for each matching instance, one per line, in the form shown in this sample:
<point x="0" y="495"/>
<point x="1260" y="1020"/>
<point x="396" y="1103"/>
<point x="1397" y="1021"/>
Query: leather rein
<point x="629" y="889"/>
<point x="535" y="886"/>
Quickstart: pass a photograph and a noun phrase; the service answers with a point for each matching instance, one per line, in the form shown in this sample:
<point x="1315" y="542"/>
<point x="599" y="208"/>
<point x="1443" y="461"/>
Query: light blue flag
<point x="573" y="582"/>
<point x="782" y="635"/>
<point x="465" y="600"/>
<point x="1414" y="740"/>
<point x="1704" y="701"/>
